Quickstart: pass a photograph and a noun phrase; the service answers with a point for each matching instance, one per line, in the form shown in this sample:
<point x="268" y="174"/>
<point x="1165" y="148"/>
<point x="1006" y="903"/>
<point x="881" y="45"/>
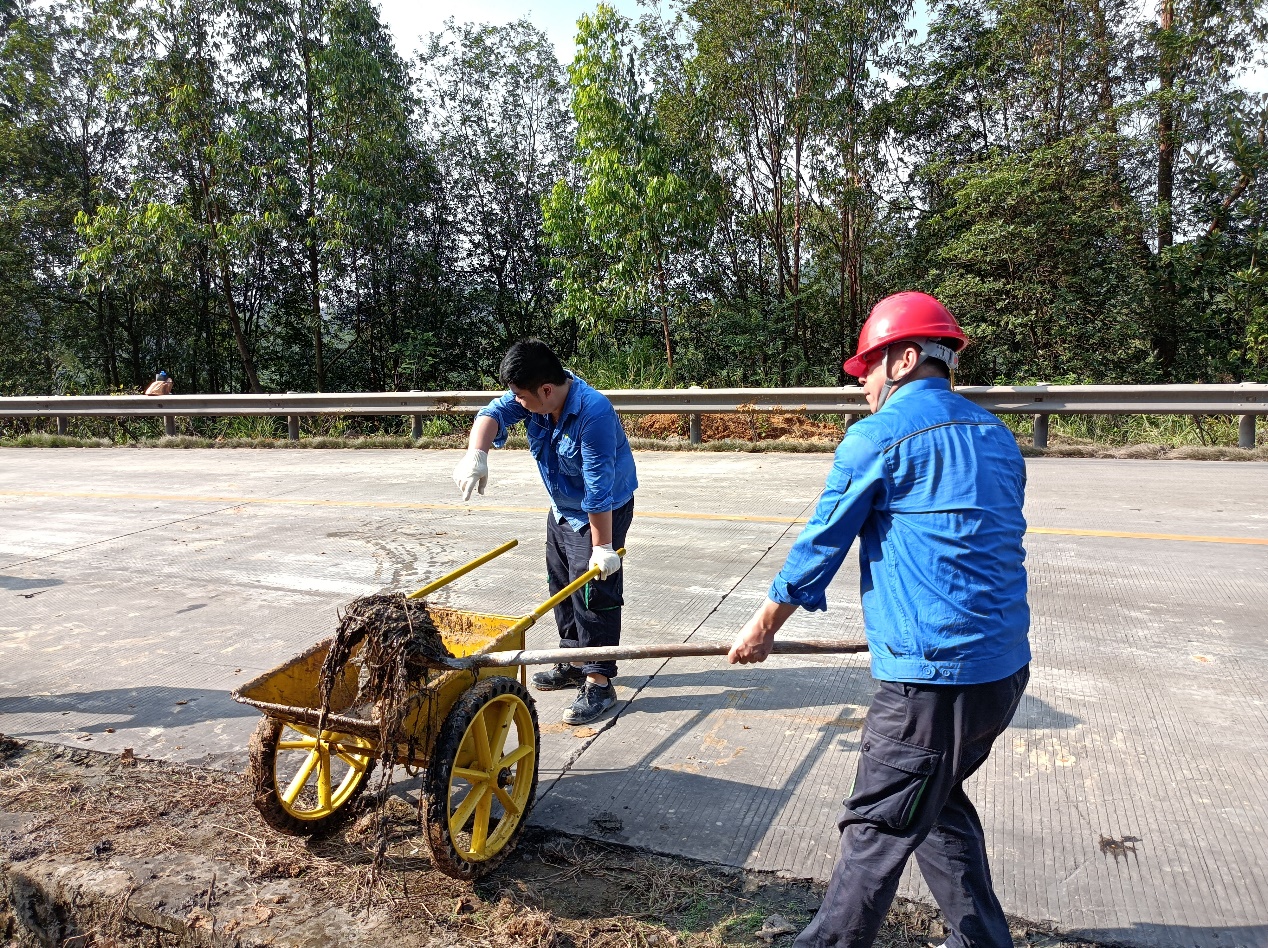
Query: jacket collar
<point x="917" y="385"/>
<point x="572" y="404"/>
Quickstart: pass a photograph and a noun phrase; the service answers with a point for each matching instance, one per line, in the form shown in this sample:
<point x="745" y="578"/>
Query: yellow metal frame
<point x="462" y="570"/>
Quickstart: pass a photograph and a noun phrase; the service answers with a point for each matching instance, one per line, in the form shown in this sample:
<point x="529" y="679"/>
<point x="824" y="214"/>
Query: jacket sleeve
<point x="854" y="486"/>
<point x="506" y="411"/>
<point x="598" y="439"/>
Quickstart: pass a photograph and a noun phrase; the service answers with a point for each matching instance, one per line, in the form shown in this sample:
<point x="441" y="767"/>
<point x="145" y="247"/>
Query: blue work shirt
<point x="585" y="461"/>
<point x="933" y="485"/>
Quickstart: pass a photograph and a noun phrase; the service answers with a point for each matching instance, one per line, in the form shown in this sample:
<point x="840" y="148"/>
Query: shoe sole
<point x="537" y="686"/>
<point x="593" y="717"/>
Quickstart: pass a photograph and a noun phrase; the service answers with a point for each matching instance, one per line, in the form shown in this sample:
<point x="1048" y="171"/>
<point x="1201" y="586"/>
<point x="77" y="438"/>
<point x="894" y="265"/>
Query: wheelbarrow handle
<point x="462" y="570"/>
<point x="528" y="620"/>
<point x="551" y="656"/>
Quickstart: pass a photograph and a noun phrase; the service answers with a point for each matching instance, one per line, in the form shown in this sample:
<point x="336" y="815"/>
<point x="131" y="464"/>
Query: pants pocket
<point x="891" y="780"/>
<point x="602" y="595"/>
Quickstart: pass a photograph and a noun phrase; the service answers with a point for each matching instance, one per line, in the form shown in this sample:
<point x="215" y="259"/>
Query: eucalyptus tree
<point x="789" y="94"/>
<point x="1024" y="181"/>
<point x="496" y="120"/>
<point x="35" y="197"/>
<point x="1209" y="137"/>
<point x="61" y="143"/>
<point x="629" y="228"/>
<point x="173" y="240"/>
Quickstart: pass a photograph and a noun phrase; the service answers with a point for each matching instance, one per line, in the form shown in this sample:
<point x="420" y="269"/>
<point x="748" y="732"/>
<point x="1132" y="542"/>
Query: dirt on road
<point x="99" y="850"/>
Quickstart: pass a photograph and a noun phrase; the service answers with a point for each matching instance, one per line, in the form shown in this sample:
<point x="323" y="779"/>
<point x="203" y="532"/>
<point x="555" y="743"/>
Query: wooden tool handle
<point x="551" y="656"/>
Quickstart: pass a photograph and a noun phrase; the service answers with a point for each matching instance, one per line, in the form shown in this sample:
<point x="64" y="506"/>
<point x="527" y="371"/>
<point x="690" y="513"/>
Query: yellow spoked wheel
<point x="304" y="780"/>
<point x="482" y="778"/>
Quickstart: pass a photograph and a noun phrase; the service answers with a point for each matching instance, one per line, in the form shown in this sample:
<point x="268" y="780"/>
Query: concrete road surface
<point x="1127" y="802"/>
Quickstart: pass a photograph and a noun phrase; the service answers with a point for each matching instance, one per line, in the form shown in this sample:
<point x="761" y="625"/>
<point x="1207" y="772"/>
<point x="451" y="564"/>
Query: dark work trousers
<point x="592" y="615"/>
<point x="919" y="744"/>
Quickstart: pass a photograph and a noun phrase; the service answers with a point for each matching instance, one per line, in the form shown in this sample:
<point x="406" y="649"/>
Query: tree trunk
<point x="1165" y="343"/>
<point x="226" y="282"/>
<point x="314" y="269"/>
<point x="842" y="302"/>
<point x="664" y="317"/>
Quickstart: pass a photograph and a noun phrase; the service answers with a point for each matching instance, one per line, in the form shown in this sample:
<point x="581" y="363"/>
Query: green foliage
<point x="628" y="230"/>
<point x="494" y="100"/>
<point x="1046" y="272"/>
<point x="262" y="194"/>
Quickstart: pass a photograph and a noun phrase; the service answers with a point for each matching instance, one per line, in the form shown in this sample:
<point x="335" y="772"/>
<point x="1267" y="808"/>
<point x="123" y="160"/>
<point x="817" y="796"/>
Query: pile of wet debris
<point x="401" y="650"/>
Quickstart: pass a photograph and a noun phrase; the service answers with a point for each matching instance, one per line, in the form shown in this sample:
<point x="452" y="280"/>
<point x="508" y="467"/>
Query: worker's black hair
<point x="530" y="364"/>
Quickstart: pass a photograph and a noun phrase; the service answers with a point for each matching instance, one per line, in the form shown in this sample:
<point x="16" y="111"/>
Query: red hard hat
<point x="909" y="315"/>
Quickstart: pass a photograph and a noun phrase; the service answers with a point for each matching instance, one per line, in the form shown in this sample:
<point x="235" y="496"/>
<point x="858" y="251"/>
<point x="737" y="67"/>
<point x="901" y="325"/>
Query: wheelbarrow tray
<point x="290" y="692"/>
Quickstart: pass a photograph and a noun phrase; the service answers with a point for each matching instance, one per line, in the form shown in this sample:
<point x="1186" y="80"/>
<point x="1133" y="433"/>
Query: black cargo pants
<point x="591" y="616"/>
<point x="920" y="743"/>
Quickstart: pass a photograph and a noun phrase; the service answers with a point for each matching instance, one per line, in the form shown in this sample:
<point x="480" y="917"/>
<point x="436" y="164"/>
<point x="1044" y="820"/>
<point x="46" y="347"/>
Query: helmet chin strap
<point x="929" y="349"/>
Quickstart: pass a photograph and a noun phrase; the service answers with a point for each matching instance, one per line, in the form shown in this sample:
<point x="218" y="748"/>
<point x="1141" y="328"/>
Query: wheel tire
<point x="457" y="748"/>
<point x="268" y="797"/>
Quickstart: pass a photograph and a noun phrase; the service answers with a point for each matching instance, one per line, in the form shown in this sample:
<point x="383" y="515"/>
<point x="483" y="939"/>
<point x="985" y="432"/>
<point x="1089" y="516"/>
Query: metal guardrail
<point x="1246" y="399"/>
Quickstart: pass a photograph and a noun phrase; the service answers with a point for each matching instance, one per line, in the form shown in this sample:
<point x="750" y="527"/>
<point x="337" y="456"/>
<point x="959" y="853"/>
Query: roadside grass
<point x="1148" y="451"/>
<point x="1181" y="437"/>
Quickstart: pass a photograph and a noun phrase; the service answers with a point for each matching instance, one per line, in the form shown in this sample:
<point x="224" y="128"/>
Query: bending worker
<point x="586" y="464"/>
<point x="933" y="487"/>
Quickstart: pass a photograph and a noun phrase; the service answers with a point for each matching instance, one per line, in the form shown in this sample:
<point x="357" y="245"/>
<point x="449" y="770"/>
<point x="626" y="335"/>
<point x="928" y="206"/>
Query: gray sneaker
<point x="592" y="701"/>
<point x="559" y="677"/>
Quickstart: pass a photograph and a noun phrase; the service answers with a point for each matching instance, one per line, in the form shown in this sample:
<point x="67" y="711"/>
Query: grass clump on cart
<point x="401" y="648"/>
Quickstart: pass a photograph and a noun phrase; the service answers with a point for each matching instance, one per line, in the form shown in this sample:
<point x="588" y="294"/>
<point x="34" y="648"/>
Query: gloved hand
<point x="606" y="559"/>
<point x="472" y="472"/>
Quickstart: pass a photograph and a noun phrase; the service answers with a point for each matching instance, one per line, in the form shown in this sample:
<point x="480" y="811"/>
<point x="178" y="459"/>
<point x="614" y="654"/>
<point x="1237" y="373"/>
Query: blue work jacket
<point x="933" y="486"/>
<point x="585" y="461"/>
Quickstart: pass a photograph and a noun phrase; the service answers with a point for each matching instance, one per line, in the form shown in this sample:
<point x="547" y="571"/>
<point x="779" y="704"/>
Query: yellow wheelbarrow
<point x="472" y="725"/>
<point x="473" y="730"/>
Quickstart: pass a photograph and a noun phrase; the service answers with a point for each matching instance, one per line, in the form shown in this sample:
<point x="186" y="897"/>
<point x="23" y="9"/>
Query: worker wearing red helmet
<point x="933" y="488"/>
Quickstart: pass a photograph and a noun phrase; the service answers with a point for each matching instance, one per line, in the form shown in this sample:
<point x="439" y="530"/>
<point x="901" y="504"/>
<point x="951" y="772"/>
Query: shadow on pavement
<point x="17" y="583"/>
<point x="713" y="765"/>
<point x="118" y="708"/>
<point x="804" y="690"/>
<point x="1168" y="936"/>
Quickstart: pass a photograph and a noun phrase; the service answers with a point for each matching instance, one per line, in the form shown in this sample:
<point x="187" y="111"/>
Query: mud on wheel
<point x="482" y="778"/>
<point x="303" y="782"/>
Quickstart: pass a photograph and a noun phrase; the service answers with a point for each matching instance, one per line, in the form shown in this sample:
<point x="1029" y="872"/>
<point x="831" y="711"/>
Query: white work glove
<point x="606" y="559"/>
<point x="472" y="472"/>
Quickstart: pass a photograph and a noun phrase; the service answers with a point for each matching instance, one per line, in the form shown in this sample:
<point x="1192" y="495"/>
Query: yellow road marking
<point x="1184" y="537"/>
<point x="382" y="504"/>
<point x="653" y="514"/>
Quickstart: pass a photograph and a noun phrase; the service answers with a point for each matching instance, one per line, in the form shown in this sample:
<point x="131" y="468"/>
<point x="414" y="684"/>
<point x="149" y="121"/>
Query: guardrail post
<point x="169" y="425"/>
<point x="847" y="420"/>
<point x="61" y="424"/>
<point x="416" y="427"/>
<point x="694" y="427"/>
<point x="1041" y="431"/>
<point x="292" y="427"/>
<point x="1246" y="432"/>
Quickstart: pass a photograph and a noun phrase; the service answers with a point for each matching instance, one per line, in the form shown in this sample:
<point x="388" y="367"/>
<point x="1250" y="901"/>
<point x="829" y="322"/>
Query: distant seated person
<point x="162" y="385"/>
